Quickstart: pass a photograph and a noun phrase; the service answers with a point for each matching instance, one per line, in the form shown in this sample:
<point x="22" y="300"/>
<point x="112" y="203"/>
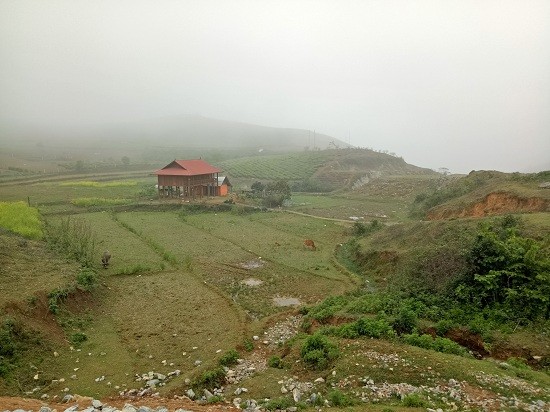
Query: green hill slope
<point x="324" y="170"/>
<point x="485" y="193"/>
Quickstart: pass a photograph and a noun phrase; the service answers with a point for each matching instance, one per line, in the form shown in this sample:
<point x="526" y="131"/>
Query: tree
<point x="277" y="193"/>
<point x="257" y="187"/>
<point x="125" y="160"/>
<point x="508" y="271"/>
<point x="79" y="166"/>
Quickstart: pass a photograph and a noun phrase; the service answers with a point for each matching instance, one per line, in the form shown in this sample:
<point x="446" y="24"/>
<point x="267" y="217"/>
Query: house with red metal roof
<point x="188" y="179"/>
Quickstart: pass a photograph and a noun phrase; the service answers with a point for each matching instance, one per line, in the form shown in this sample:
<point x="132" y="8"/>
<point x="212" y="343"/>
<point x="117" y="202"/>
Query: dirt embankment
<point x="498" y="203"/>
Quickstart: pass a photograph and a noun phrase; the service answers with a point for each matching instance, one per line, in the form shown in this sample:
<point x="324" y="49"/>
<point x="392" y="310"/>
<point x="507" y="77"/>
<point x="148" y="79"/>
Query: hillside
<point x="485" y="193"/>
<point x="209" y="305"/>
<point x="324" y="170"/>
<point x="186" y="131"/>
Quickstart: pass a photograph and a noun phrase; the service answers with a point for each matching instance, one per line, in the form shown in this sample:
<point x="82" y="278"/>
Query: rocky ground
<point x="456" y="395"/>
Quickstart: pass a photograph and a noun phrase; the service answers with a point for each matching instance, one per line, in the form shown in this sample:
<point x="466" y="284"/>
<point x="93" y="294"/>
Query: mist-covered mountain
<point x="187" y="130"/>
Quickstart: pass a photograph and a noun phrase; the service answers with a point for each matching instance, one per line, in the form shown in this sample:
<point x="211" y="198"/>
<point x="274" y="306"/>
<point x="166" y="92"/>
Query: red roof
<point x="187" y="168"/>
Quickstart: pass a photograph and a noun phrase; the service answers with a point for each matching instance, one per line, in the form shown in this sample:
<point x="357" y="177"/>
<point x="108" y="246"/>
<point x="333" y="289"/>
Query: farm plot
<point x="284" y="246"/>
<point x="340" y="207"/>
<point x="172" y="316"/>
<point x="185" y="241"/>
<point x="294" y="166"/>
<point x="282" y="268"/>
<point x="226" y="249"/>
<point x="51" y="193"/>
<point x="129" y="252"/>
<point x="27" y="267"/>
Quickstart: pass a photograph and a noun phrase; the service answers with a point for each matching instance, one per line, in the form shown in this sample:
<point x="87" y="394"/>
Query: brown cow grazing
<point x="105" y="259"/>
<point x="310" y="244"/>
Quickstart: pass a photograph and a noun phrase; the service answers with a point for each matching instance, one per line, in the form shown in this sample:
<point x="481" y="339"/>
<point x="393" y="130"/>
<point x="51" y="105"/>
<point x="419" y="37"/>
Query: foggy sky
<point x="458" y="84"/>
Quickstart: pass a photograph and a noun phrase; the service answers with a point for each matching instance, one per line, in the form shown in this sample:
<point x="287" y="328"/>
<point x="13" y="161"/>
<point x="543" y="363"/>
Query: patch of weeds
<point x="229" y="358"/>
<point x="373" y="328"/>
<point x="278" y="404"/>
<point x="86" y="279"/>
<point x="275" y="362"/>
<point x="212" y="378"/>
<point x="138" y="268"/>
<point x="188" y="263"/>
<point x="438" y="344"/>
<point x="248" y="345"/>
<point x="75" y="239"/>
<point x="318" y="351"/>
<point x="362" y="229"/>
<point x="55" y="297"/>
<point x="78" y="338"/>
<point x="15" y="342"/>
<point x="414" y="400"/>
<point x="339" y="398"/>
<point x="444" y="326"/>
<point x="215" y="399"/>
<point x="518" y="363"/>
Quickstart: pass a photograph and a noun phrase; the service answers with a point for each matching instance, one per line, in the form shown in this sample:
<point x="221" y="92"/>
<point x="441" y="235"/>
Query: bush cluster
<point x="318" y="351"/>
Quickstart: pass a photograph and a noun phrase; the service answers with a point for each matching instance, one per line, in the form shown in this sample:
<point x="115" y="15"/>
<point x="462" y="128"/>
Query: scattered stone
<point x="190" y="394"/>
<point x="67" y="398"/>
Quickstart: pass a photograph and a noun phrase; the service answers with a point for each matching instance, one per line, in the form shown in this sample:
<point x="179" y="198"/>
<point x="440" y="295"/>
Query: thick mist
<point x="462" y="85"/>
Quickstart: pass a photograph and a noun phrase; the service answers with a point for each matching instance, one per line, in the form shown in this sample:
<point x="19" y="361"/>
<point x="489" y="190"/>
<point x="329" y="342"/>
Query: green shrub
<point x="275" y="362"/>
<point x="414" y="400"/>
<point x="215" y="399"/>
<point x="78" y="338"/>
<point x="210" y="379"/>
<point x="406" y="321"/>
<point x="86" y="279"/>
<point x="278" y="404"/>
<point x="248" y="345"/>
<point x="444" y="326"/>
<point x="519" y="363"/>
<point x="75" y="239"/>
<point x="363" y="229"/>
<point x="373" y="328"/>
<point x="229" y="358"/>
<point x="55" y="297"/>
<point x="438" y="344"/>
<point x="338" y="398"/>
<point x="318" y="351"/>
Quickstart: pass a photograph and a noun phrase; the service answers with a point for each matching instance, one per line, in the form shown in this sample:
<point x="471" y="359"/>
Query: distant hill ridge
<point x="186" y="130"/>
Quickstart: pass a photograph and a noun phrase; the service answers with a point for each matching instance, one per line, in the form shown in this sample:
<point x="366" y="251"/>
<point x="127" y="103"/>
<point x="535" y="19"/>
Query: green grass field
<point x="185" y="285"/>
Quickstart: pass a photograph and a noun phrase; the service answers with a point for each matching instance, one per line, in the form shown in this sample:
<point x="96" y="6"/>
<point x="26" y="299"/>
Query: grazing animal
<point x="310" y="244"/>
<point x="105" y="259"/>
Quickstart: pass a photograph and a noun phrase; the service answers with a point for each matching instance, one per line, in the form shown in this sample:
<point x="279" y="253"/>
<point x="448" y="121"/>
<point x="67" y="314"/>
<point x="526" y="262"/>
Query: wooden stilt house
<point x="188" y="179"/>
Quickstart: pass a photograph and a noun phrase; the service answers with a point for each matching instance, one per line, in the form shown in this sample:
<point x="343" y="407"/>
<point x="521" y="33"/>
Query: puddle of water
<point x="286" y="301"/>
<point x="252" y="282"/>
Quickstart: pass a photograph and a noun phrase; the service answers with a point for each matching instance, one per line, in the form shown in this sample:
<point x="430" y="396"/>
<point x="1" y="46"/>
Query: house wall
<point x="187" y="186"/>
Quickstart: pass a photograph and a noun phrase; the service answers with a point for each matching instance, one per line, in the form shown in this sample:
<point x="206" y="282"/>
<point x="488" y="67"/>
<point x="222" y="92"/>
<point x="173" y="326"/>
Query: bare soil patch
<point x="252" y="282"/>
<point x="286" y="301"/>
